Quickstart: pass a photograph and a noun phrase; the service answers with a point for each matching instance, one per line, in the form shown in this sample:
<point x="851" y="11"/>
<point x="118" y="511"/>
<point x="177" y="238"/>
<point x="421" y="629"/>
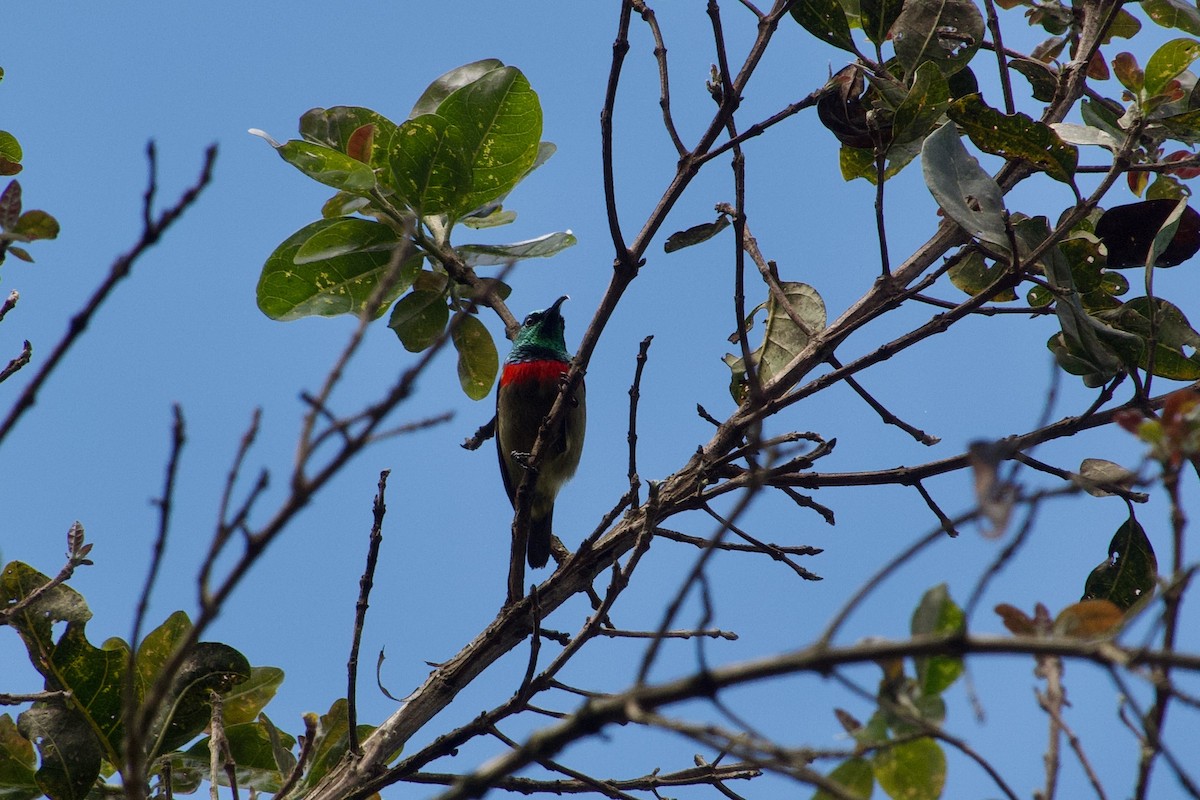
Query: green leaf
<point x="1166" y="232"/>
<point x="419" y="319"/>
<point x="478" y="361"/>
<point x="1174" y="14"/>
<point x="953" y="175"/>
<point x="1128" y="575"/>
<point x="695" y="234"/>
<point x="878" y="16"/>
<point x="1086" y="346"/>
<point x="451" y="82"/>
<point x="327" y="166"/>
<point x="857" y="162"/>
<point x="1168" y="62"/>
<point x="937" y="614"/>
<point x="243" y="703"/>
<point x="343" y="236"/>
<point x="911" y="770"/>
<point x="17" y="763"/>
<point x="854" y="776"/>
<point x="71" y="755"/>
<point x="35" y="224"/>
<point x="946" y="32"/>
<point x="330" y="743"/>
<point x="254" y="757"/>
<point x="10" y="148"/>
<point x="1124" y="26"/>
<point x="1173" y="335"/>
<point x="34" y="623"/>
<point x="825" y="19"/>
<point x="921" y="108"/>
<point x="489" y="217"/>
<point x="340" y="284"/>
<point x="430" y="167"/>
<point x="486" y="255"/>
<point x="500" y="119"/>
<point x="1015" y="136"/>
<point x="209" y="666"/>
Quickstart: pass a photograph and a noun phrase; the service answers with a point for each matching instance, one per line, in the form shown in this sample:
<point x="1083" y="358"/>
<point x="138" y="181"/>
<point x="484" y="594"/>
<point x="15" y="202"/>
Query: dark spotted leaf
<point x="1177" y="344"/>
<point x="695" y="234"/>
<point x="972" y="275"/>
<point x="825" y="19"/>
<point x="1015" y="136"/>
<point x="1041" y="78"/>
<point x="1174" y="14"/>
<point x="1128" y="575"/>
<point x="946" y="32"/>
<point x="878" y="16"/>
<point x="921" y="108"/>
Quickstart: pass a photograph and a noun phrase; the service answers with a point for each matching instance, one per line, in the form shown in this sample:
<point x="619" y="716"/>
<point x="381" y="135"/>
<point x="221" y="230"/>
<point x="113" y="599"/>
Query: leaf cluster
<point x="384" y="239"/>
<point x="894" y="748"/>
<point x="65" y="744"/>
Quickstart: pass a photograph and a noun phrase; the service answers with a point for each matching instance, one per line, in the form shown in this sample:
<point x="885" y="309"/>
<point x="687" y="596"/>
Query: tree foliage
<point x="926" y="80"/>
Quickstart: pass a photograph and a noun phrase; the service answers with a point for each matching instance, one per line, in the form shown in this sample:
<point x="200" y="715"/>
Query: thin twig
<point x="378" y="510"/>
<point x="152" y="231"/>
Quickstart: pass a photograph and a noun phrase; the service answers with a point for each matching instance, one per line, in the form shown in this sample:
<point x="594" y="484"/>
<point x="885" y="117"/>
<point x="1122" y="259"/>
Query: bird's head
<point x="541" y="332"/>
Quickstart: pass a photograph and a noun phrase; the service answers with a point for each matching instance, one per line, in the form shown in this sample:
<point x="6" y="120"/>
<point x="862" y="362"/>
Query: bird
<point x="529" y="383"/>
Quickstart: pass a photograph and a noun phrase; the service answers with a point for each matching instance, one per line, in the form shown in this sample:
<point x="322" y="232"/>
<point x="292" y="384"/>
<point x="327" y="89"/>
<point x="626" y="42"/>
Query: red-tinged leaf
<point x="1131" y="76"/>
<point x="1186" y="173"/>
<point x="21" y="253"/>
<point x="1098" y="68"/>
<point x="1129" y="420"/>
<point x="8" y="167"/>
<point x="1016" y="620"/>
<point x="358" y="146"/>
<point x="1088" y="619"/>
<point x="10" y="205"/>
<point x="1137" y="182"/>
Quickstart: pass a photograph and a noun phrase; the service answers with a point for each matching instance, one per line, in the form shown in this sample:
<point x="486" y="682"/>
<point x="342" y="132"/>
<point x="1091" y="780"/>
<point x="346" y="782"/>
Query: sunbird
<point x="532" y="376"/>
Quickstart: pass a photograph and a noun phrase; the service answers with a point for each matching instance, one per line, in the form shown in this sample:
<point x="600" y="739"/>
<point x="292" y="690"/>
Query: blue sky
<point x="85" y="88"/>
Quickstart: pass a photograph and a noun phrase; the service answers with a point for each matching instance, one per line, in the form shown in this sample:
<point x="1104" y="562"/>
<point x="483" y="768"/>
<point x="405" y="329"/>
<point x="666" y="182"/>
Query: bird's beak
<point x="554" y="309"/>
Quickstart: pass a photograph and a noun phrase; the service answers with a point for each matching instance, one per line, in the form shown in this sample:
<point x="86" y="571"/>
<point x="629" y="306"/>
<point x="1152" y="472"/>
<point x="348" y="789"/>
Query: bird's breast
<point x="540" y="371"/>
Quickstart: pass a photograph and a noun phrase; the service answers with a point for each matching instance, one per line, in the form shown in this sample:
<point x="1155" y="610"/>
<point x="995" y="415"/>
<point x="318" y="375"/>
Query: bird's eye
<point x="532" y="318"/>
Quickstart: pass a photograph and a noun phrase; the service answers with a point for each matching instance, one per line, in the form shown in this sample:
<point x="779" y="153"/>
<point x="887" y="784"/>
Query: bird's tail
<point x="539" y="538"/>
